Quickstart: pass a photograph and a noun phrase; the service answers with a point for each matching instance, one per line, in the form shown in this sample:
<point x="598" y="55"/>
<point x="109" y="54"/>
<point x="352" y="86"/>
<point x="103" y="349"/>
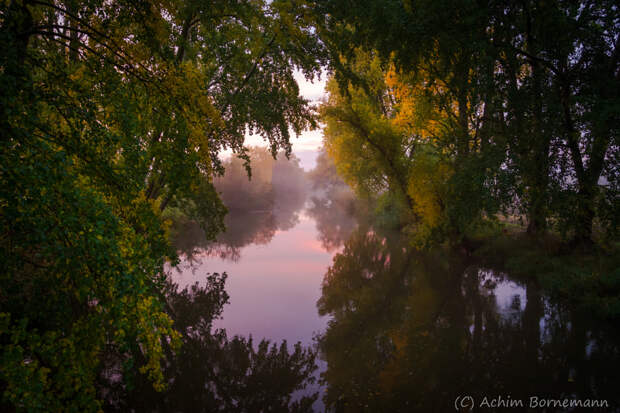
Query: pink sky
<point x="306" y="145"/>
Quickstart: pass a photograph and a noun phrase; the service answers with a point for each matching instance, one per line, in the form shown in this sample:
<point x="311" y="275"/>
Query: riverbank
<point x="588" y="278"/>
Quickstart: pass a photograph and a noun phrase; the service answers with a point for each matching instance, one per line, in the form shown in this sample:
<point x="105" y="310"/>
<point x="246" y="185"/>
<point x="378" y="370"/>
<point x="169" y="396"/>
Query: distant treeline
<point x="268" y="198"/>
<point x="271" y="182"/>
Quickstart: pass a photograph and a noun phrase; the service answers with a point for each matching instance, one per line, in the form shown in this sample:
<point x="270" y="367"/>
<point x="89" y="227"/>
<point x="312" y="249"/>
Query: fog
<point x="272" y="199"/>
<point x="269" y="199"/>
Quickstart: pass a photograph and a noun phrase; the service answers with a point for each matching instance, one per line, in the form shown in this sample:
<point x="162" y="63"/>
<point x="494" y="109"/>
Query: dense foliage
<point x="110" y="112"/>
<point x="460" y="111"/>
<point x="114" y="115"/>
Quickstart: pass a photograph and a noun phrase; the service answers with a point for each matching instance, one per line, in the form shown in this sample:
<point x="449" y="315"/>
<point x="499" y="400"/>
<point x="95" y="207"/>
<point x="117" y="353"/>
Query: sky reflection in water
<point x="402" y="330"/>
<point x="273" y="287"/>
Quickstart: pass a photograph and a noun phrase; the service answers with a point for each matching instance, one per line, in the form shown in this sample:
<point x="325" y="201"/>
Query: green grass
<point x="588" y="278"/>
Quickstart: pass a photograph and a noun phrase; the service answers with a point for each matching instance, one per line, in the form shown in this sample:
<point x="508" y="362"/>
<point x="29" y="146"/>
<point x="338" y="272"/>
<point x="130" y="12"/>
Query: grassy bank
<point x="589" y="278"/>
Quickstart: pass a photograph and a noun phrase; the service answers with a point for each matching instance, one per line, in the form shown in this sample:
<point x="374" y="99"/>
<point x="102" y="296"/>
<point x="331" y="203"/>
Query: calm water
<point x="273" y="284"/>
<point x="397" y="329"/>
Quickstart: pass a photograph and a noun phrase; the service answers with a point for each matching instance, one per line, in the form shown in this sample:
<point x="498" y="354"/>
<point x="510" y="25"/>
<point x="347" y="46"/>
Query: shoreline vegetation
<point x="440" y="117"/>
<point x="584" y="275"/>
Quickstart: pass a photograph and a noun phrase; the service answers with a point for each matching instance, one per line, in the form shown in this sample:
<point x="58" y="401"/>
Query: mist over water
<point x="281" y="237"/>
<point x="394" y="328"/>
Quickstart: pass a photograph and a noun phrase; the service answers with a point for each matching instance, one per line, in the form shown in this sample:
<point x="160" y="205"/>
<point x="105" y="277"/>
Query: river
<point x="397" y="329"/>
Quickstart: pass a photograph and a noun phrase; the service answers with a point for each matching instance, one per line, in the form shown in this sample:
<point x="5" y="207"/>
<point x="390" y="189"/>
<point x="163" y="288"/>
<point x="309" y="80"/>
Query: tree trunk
<point x="584" y="218"/>
<point x="587" y="178"/>
<point x="537" y="221"/>
<point x="540" y="142"/>
<point x="463" y="133"/>
<point x="18" y="24"/>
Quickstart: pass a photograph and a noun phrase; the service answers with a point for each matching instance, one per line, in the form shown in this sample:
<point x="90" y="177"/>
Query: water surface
<point x="398" y="329"/>
<point x="273" y="284"/>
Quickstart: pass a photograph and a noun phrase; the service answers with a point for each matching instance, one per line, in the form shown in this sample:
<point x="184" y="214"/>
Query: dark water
<point x="395" y="329"/>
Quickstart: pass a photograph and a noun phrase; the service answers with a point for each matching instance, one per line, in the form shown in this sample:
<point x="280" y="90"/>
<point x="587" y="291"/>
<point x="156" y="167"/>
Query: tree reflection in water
<point x="213" y="373"/>
<point x="411" y="331"/>
<point x="271" y="202"/>
<point x="408" y="330"/>
<point x="333" y="204"/>
<point x="334" y="215"/>
<point x="242" y="229"/>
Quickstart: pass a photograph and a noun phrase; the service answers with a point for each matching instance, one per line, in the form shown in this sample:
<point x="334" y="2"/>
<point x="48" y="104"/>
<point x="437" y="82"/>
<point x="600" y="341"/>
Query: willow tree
<point x="110" y="112"/>
<point x="369" y="151"/>
<point x="535" y="86"/>
<point x="418" y="135"/>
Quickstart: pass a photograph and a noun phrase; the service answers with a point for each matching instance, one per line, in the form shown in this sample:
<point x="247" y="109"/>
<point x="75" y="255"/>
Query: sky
<point x="306" y="146"/>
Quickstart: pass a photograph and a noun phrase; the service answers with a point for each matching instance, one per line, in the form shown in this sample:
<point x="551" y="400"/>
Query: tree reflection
<point x="410" y="331"/>
<point x="271" y="201"/>
<point x="333" y="204"/>
<point x="242" y="228"/>
<point x="334" y="214"/>
<point x="212" y="372"/>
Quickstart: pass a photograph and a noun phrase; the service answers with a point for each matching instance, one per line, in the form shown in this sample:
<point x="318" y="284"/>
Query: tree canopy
<point x="114" y="113"/>
<point x="492" y="108"/>
<point x="110" y="113"/>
